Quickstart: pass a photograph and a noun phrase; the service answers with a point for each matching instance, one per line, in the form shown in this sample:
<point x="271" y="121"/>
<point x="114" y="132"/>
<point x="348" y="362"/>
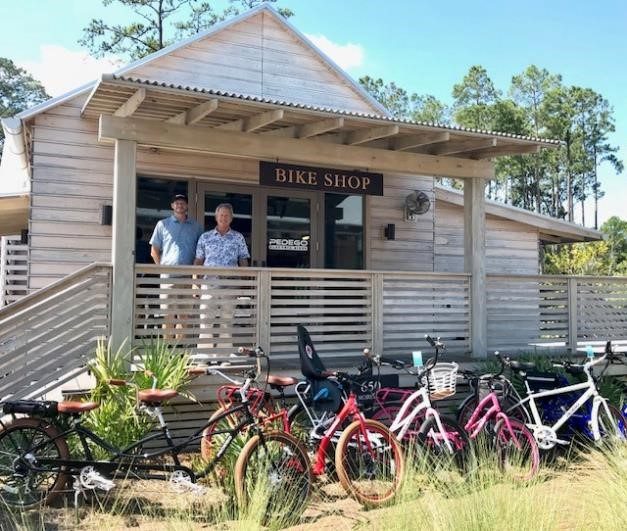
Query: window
<point x="344" y="231"/>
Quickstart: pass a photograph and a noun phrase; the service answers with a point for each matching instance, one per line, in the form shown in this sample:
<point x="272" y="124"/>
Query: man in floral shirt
<point x="220" y="247"/>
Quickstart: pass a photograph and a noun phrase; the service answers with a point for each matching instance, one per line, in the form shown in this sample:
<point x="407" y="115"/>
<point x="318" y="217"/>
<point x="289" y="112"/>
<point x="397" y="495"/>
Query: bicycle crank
<point x="181" y="481"/>
<point x="546" y="437"/>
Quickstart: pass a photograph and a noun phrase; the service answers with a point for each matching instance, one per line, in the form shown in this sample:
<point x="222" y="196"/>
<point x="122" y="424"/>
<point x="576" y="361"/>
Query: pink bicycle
<point x="517" y="451"/>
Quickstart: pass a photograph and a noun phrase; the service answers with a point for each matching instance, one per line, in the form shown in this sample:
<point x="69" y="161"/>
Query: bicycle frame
<point x="487" y="409"/>
<point x="591" y="392"/>
<point x="124" y="460"/>
<point x="349" y="409"/>
<point x="403" y="419"/>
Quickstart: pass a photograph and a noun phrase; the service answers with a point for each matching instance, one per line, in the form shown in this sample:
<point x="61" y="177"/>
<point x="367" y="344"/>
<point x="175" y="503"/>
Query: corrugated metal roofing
<point x="340" y="112"/>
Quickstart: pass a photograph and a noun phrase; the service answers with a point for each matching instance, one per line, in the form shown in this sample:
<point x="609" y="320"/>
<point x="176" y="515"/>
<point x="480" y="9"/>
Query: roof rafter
<point x="195" y="114"/>
<point x="487" y="153"/>
<point x="414" y="141"/>
<point x="305" y="151"/>
<point x="362" y="136"/>
<point x="456" y="147"/>
<point x="308" y="130"/>
<point x="132" y="104"/>
<point x="252" y="123"/>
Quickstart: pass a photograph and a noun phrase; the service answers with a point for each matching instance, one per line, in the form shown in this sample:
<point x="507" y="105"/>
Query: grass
<point x="588" y="491"/>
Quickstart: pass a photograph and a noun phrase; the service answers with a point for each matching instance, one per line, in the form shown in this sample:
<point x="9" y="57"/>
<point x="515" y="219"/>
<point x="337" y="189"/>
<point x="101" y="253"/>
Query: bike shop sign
<point x="288" y="244"/>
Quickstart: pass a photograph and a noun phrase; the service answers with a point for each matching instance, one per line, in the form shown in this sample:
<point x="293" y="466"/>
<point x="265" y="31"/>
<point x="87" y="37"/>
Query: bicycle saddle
<point x="156" y="396"/>
<point x="281" y="381"/>
<point x="522" y="365"/>
<point x="76" y="407"/>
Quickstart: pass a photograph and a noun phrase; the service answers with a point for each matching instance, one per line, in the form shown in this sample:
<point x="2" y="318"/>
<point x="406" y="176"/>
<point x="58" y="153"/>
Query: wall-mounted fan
<point x="416" y="204"/>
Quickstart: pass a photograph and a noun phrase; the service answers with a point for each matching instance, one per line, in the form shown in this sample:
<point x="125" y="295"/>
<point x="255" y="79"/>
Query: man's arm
<point x="198" y="261"/>
<point x="243" y="262"/>
<point x="155" y="252"/>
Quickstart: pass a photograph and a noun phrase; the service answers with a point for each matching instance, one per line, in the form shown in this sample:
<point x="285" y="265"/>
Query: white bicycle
<point x="555" y="415"/>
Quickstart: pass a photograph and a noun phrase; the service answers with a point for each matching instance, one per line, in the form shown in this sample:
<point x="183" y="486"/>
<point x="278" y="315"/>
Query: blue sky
<point x="425" y="47"/>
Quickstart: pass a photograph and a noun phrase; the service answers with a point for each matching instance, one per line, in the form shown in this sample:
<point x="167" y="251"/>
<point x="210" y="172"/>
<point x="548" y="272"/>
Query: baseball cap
<point x="177" y="197"/>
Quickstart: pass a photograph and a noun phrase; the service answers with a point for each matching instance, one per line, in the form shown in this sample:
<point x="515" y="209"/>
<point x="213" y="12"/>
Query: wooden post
<point x="572" y="315"/>
<point x="264" y="308"/>
<point x="3" y="269"/>
<point x="123" y="248"/>
<point x="474" y="263"/>
<point x="377" y="313"/>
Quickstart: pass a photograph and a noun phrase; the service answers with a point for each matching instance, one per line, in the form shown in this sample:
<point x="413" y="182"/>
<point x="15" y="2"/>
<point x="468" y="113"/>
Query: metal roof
<point x="164" y="101"/>
<point x="550" y="230"/>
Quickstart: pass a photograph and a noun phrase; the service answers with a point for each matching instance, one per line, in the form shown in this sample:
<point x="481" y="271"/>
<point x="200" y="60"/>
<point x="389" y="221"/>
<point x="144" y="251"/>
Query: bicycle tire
<point x="276" y="466"/>
<point x="20" y="486"/>
<point x="521" y="464"/>
<point x="356" y="467"/>
<point x="430" y="438"/>
<point x="207" y="442"/>
<point x="608" y="426"/>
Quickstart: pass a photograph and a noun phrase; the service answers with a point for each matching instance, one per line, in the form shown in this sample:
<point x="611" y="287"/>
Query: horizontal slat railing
<point x="13" y="269"/>
<point x="47" y="337"/>
<point x="413" y="305"/>
<point x="346" y="311"/>
<point x="601" y="308"/>
<point x="531" y="312"/>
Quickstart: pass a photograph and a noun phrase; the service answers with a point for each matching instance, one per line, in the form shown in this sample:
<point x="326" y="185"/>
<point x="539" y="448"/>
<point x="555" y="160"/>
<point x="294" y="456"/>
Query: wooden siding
<point x="261" y="57"/>
<point x="412" y="250"/>
<point x="511" y="247"/>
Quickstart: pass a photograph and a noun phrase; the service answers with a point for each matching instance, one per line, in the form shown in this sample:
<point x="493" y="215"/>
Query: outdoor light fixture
<point x="390" y="231"/>
<point x="106" y="215"/>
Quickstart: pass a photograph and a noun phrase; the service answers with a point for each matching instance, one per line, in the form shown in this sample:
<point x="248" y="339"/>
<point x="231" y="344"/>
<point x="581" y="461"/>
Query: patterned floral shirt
<point x="217" y="250"/>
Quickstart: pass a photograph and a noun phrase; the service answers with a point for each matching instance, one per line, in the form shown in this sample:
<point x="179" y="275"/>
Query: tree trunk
<point x="569" y="180"/>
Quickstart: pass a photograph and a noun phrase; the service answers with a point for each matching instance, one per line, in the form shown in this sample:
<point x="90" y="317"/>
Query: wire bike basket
<point x="441" y="380"/>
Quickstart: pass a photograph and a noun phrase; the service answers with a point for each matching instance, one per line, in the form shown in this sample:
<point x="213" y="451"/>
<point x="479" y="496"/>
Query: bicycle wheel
<point x="517" y="451"/>
<point x="435" y="443"/>
<point x="300" y="423"/>
<point x="369" y="462"/>
<point x="210" y="441"/>
<point x="273" y="473"/>
<point x="25" y="480"/>
<point x="612" y="427"/>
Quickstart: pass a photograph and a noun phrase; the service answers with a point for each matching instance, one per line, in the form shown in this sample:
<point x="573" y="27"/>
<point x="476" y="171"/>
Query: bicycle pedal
<point x="181" y="481"/>
<point x="90" y="479"/>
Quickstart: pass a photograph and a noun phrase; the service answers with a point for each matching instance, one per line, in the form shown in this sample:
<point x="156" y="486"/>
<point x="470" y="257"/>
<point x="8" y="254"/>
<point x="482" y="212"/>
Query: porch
<point x="47" y="337"/>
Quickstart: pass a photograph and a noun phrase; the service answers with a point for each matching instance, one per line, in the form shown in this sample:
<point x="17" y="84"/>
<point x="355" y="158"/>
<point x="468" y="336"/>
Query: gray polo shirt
<point x="177" y="240"/>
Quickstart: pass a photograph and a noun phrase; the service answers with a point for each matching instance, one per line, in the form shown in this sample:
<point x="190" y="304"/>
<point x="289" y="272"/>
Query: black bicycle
<point x="37" y="463"/>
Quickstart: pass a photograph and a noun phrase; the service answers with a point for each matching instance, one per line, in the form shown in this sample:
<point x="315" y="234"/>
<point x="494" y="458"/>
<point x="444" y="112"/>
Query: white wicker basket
<point x="442" y="380"/>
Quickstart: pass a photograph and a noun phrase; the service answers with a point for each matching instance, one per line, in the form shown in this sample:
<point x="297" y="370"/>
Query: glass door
<point x="242" y="201"/>
<point x="289" y="240"/>
<point x="281" y="228"/>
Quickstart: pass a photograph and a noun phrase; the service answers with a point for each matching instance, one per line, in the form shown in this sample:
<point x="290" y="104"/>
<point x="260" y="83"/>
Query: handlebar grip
<point x="117" y="382"/>
<point x="430" y="340"/>
<point x="196" y="371"/>
<point x="251" y="353"/>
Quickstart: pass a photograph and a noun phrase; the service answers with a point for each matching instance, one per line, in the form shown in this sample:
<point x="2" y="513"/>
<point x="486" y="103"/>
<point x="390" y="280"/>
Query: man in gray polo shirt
<point x="173" y="243"/>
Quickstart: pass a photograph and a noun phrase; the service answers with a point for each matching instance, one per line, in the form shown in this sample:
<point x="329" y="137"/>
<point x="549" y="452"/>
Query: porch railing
<point x="344" y="311"/>
<point x="47" y="336"/>
<point x="13" y="269"/>
<point x="389" y="311"/>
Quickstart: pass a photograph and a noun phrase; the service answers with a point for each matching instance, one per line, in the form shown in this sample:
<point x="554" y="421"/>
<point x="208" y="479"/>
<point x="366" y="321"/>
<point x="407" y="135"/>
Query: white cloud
<point x="61" y="70"/>
<point x="347" y="56"/>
